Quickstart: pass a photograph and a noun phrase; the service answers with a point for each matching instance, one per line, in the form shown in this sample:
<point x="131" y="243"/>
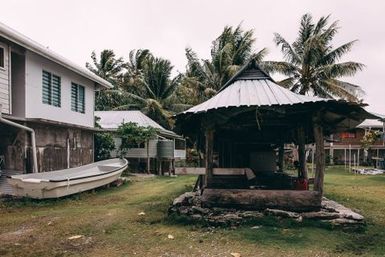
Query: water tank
<point x="166" y="149"/>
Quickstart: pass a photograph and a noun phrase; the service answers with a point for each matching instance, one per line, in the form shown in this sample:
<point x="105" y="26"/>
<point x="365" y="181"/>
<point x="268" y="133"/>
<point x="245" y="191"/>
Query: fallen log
<point x="248" y="199"/>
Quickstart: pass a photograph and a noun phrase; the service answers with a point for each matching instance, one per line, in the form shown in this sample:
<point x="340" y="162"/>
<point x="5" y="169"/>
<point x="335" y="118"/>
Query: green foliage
<point x="103" y="144"/>
<point x="143" y="83"/>
<point x="132" y="135"/>
<point x="311" y="62"/>
<point x="229" y="52"/>
<point x="110" y="68"/>
<point x="370" y="138"/>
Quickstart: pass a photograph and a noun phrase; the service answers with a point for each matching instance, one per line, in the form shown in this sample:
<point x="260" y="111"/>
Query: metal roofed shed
<point x="160" y="153"/>
<point x="252" y="118"/>
<point x="111" y="120"/>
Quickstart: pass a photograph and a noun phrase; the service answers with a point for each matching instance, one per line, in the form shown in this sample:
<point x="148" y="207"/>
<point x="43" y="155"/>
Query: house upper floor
<point x="36" y="83"/>
<point x="356" y="135"/>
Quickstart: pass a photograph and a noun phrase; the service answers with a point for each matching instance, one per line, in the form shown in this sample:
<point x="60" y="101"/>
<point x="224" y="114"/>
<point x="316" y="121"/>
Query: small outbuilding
<point x="348" y="147"/>
<point x="158" y="155"/>
<point x="244" y="128"/>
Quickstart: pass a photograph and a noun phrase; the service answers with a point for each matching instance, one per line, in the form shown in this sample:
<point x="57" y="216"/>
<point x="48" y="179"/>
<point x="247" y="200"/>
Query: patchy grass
<point x="109" y="222"/>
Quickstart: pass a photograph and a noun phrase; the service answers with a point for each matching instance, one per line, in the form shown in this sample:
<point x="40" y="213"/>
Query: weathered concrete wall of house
<point x="57" y="145"/>
<point x="57" y="148"/>
<point x="4" y="80"/>
<point x="12" y="147"/>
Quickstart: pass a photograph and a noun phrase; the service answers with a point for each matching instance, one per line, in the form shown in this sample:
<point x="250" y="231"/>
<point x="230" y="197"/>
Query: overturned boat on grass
<point x="64" y="182"/>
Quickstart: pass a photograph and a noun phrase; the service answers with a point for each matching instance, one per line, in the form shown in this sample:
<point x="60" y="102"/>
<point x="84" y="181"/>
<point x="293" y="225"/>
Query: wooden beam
<point x="302" y="153"/>
<point x="281" y="155"/>
<point x="209" y="155"/>
<point x="319" y="157"/>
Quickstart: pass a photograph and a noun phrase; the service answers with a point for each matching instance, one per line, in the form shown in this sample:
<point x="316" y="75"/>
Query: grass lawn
<point x="111" y="226"/>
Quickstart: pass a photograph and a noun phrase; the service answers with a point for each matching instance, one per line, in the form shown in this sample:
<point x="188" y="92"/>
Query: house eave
<point x="50" y="122"/>
<point x="19" y="39"/>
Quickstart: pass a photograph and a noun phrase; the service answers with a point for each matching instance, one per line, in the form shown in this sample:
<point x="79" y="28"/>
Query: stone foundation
<point x="189" y="205"/>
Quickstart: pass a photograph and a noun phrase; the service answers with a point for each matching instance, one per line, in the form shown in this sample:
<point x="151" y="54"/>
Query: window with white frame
<point x="77" y="98"/>
<point x="51" y="89"/>
<point x="2" y="57"/>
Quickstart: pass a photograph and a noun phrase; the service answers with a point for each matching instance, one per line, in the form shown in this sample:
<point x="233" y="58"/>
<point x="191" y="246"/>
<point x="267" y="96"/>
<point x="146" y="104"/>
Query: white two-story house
<point x="47" y="93"/>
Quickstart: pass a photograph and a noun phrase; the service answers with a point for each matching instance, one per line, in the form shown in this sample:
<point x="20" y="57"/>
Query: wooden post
<point x="158" y="166"/>
<point x="331" y="153"/>
<point x="148" y="157"/>
<point x="319" y="158"/>
<point x="173" y="166"/>
<point x="302" y="152"/>
<point x="350" y="158"/>
<point x="312" y="160"/>
<point x="209" y="155"/>
<point x="281" y="157"/>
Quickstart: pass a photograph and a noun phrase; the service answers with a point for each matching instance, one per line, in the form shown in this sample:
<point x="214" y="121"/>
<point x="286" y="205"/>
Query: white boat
<point x="64" y="182"/>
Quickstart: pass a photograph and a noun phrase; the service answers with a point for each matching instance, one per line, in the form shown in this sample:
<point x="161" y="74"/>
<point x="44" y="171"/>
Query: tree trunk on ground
<point x="292" y="200"/>
<point x="319" y="158"/>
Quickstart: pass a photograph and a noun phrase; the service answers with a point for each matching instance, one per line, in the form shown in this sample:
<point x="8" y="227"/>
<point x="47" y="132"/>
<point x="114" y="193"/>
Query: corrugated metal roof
<point x="371" y="123"/>
<point x="252" y="87"/>
<point x="18" y="38"/>
<point x="111" y="120"/>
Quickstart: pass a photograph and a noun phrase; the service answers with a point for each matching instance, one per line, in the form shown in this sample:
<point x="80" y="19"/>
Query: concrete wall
<point x="58" y="147"/>
<point x="35" y="108"/>
<point x="5" y="81"/>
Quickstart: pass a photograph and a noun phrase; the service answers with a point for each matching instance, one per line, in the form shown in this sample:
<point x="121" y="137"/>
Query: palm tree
<point x="155" y="90"/>
<point x="311" y="63"/>
<point x="229" y="52"/>
<point x="109" y="68"/>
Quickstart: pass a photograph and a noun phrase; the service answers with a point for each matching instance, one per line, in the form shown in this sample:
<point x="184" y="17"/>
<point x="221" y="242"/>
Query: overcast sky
<point x="75" y="28"/>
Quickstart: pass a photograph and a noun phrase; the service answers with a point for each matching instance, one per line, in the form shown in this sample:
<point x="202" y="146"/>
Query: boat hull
<point x="43" y="189"/>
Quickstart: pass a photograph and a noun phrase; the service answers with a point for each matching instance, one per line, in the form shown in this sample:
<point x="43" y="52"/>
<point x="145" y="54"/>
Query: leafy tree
<point x="370" y="138"/>
<point x="133" y="135"/>
<point x="104" y="144"/>
<point x="312" y="63"/>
